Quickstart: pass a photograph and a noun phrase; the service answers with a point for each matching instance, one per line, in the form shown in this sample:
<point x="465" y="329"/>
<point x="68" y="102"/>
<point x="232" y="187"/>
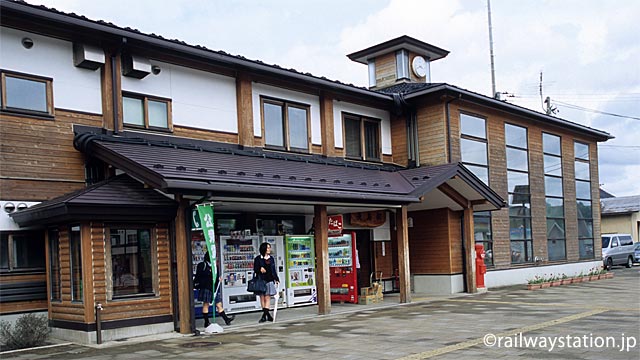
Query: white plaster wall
<point x="6" y="222"/>
<point x="438" y="284"/>
<point x="199" y="99"/>
<point x="313" y="101"/>
<point x="508" y="277"/>
<point x="73" y="88"/>
<point x="383" y="115"/>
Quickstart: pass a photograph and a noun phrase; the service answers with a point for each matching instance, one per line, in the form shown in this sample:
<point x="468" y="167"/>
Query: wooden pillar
<point x="88" y="295"/>
<point x="326" y="125"/>
<point x="321" y="230"/>
<point x="183" y="270"/>
<point x="245" y="109"/>
<point x="402" y="237"/>
<point x="469" y="251"/>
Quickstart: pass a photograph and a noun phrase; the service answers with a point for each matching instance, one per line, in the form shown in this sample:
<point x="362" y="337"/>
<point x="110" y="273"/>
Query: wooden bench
<point x="23" y="291"/>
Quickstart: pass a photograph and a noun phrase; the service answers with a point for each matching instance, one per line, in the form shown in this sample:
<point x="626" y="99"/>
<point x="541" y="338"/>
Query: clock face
<point x="419" y="65"/>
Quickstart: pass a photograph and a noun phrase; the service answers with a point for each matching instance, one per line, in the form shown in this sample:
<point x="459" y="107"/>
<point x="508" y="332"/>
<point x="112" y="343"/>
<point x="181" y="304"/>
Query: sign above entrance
<point x="368" y="218"/>
<point x="335" y="224"/>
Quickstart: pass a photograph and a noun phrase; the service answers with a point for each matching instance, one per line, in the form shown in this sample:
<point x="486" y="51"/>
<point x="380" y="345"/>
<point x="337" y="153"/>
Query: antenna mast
<point x="493" y="74"/>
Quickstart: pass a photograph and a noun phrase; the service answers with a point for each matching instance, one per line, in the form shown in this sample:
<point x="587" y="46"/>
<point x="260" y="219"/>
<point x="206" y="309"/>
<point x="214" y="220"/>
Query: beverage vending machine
<point x="343" y="276"/>
<point x="237" y="254"/>
<point x="278" y="253"/>
<point x="300" y="267"/>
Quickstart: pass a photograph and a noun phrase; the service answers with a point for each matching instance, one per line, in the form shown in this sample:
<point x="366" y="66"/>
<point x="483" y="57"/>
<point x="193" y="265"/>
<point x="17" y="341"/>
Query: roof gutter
<point x="604" y="136"/>
<point x="191" y="50"/>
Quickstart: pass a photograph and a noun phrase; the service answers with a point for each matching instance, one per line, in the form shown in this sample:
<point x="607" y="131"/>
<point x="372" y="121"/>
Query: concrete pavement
<point x="593" y="320"/>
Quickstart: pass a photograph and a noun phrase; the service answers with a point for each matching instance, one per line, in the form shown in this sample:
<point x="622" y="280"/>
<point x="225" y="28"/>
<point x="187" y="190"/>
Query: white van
<point x="617" y="249"/>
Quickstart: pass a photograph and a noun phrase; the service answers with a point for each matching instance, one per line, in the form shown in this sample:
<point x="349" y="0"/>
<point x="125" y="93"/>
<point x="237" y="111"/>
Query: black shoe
<point x="264" y="316"/>
<point x="206" y="320"/>
<point x="269" y="318"/>
<point x="227" y="318"/>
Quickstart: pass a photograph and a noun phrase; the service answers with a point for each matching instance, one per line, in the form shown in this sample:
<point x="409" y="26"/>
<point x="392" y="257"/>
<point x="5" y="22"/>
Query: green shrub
<point x="30" y="330"/>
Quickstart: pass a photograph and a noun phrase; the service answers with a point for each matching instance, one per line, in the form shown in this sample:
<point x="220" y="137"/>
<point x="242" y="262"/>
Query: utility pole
<point x="493" y="75"/>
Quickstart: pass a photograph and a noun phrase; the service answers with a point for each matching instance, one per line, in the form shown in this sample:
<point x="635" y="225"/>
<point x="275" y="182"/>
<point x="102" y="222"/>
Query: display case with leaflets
<point x="343" y="277"/>
<point x="301" y="279"/>
<point x="237" y="254"/>
<point x="278" y="253"/>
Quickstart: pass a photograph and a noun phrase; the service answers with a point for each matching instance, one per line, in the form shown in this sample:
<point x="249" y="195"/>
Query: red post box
<point x="481" y="268"/>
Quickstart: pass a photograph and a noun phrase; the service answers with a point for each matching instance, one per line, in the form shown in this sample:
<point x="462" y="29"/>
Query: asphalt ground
<point x="590" y="320"/>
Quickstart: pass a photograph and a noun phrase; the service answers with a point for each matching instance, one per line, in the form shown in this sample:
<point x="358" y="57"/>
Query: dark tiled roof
<point x="407" y="88"/>
<point x="620" y="205"/>
<point x="118" y="198"/>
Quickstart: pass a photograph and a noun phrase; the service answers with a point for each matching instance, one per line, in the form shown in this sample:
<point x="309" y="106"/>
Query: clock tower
<point x="400" y="60"/>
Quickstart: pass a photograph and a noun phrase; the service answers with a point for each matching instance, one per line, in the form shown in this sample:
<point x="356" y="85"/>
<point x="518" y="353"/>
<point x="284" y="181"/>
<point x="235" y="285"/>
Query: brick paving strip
<point x="478" y="341"/>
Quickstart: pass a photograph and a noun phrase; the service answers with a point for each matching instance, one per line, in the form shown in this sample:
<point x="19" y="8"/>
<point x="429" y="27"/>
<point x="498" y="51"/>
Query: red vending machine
<point x="342" y="268"/>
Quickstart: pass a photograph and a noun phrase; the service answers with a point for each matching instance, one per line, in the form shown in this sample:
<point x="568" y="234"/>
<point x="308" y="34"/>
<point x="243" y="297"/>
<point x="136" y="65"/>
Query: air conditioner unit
<point x="135" y="66"/>
<point x="87" y="56"/>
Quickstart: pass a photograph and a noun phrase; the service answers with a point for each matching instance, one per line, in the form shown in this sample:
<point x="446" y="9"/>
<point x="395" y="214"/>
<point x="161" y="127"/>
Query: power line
<point x="595" y="111"/>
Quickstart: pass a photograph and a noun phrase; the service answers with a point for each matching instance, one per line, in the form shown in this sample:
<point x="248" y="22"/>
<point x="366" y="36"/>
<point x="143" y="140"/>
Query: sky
<point x="588" y="51"/>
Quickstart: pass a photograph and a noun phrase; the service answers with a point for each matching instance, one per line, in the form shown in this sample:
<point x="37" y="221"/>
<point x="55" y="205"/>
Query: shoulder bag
<point x="257" y="285"/>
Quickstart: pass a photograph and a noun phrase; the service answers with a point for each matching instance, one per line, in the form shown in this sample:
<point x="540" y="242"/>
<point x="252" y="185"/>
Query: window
<point x="519" y="194"/>
<point x="23" y="251"/>
<point x="75" y="244"/>
<point x="554" y="197"/>
<point x="402" y="64"/>
<point x="54" y="264"/>
<point x="286" y="125"/>
<point x="372" y="72"/>
<point x="361" y="137"/>
<point x="146" y="112"/>
<point x="583" y="199"/>
<point x="131" y="258"/>
<point x="473" y="152"/>
<point x="27" y="94"/>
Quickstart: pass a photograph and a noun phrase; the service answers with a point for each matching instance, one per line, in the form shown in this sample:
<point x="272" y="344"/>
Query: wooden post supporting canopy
<point x="402" y="236"/>
<point x="183" y="269"/>
<point x="469" y="251"/>
<point x="321" y="231"/>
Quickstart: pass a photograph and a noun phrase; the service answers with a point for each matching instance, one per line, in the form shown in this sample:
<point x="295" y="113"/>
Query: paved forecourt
<point x="592" y="320"/>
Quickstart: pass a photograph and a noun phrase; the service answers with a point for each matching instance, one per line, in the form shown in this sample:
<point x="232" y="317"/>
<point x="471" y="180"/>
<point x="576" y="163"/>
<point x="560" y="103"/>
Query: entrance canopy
<point x="201" y="168"/>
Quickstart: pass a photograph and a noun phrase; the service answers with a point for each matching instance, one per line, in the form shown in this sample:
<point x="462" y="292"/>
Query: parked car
<point x="617" y="249"/>
<point x="636" y="256"/>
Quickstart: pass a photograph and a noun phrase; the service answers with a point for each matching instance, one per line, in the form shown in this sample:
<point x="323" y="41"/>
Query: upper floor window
<point x="402" y="64"/>
<point x="27" y="93"/>
<point x="146" y="112"/>
<point x="584" y="201"/>
<point x="361" y="137"/>
<point x="554" y="197"/>
<point x="473" y="145"/>
<point x="372" y="72"/>
<point x="286" y="125"/>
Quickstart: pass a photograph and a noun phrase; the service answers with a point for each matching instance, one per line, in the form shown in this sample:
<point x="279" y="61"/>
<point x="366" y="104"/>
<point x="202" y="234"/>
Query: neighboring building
<point x="110" y="137"/>
<point x="621" y="215"/>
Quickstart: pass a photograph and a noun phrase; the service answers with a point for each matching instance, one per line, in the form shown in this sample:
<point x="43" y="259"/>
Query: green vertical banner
<point x="205" y="212"/>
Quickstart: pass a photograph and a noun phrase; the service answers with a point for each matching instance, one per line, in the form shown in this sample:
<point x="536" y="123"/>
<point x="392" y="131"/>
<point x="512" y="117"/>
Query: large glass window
<point x="75" y="244"/>
<point x="519" y="194"/>
<point x="131" y="259"/>
<point x="23" y="251"/>
<point x="583" y="199"/>
<point x="361" y="137"/>
<point x="402" y="64"/>
<point x="554" y="197"/>
<point x="474" y="156"/>
<point x="286" y="125"/>
<point x="146" y="112"/>
<point x="54" y="264"/>
<point x="26" y="93"/>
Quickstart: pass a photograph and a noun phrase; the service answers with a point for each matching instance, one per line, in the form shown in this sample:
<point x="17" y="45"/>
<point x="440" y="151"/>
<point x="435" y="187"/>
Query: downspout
<point x="449" y="126"/>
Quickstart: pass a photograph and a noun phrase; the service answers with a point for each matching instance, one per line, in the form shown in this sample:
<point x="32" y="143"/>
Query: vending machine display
<point x="300" y="280"/>
<point x="237" y="254"/>
<point x="342" y="268"/>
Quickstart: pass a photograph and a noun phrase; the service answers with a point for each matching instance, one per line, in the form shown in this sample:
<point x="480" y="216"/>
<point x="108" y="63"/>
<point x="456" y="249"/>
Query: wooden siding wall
<point x="97" y="279"/>
<point x="432" y="134"/>
<point x="385" y="70"/>
<point x="498" y="181"/>
<point x="19" y="306"/>
<point x="434" y="242"/>
<point x="399" y="140"/>
<point x="384" y="262"/>
<point x="37" y="158"/>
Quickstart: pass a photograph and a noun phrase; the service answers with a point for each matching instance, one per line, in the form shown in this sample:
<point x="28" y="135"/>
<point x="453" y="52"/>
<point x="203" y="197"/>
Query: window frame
<point x="363" y="145"/>
<point x="12" y="267"/>
<point x="484" y="140"/>
<point x="41" y="79"/>
<point x="145" y="111"/>
<point x="153" y="244"/>
<point x="402" y="65"/>
<point x="584" y="241"/>
<point x="285" y="104"/>
<point x="551" y="173"/>
<point x="55" y="293"/>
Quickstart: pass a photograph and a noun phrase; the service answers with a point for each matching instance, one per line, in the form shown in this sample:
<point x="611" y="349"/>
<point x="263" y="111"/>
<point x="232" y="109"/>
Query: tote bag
<point x="257" y="285"/>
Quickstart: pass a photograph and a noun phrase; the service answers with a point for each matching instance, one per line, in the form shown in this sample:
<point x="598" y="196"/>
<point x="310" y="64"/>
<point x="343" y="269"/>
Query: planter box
<point x="609" y="275"/>
<point x="567" y="281"/>
<point x="577" y="279"/>
<point x="556" y="283"/>
<point x="533" y="286"/>
<point x="593" y="277"/>
<point x="545" y="285"/>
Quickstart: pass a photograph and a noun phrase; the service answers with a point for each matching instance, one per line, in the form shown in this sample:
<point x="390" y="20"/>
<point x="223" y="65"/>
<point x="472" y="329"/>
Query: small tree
<point x="30" y="330"/>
